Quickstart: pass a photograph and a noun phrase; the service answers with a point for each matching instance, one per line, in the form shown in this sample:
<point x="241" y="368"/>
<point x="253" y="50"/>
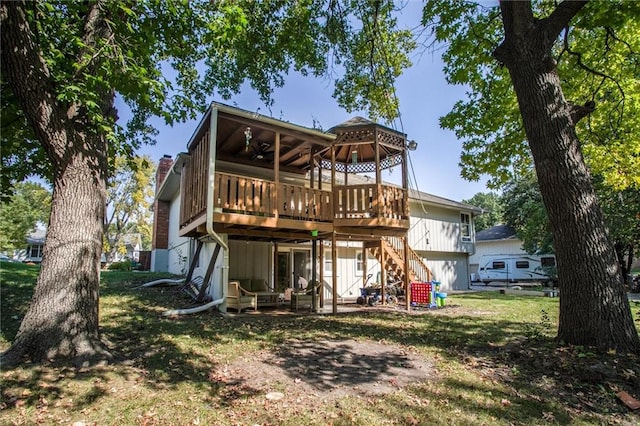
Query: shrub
<point x="125" y="265"/>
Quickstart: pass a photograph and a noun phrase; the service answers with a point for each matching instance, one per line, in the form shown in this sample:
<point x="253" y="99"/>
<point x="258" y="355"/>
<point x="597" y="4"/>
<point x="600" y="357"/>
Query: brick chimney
<point x="164" y="165"/>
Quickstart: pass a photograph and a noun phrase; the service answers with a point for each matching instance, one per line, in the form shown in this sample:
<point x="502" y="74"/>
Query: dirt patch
<point x="328" y="369"/>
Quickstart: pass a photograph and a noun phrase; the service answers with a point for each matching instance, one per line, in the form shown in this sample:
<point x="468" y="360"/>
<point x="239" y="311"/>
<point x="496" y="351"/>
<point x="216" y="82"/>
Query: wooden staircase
<point x="391" y="249"/>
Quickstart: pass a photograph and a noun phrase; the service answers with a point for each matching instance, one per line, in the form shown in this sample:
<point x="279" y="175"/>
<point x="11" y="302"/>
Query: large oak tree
<point x="520" y="59"/>
<point x="63" y="64"/>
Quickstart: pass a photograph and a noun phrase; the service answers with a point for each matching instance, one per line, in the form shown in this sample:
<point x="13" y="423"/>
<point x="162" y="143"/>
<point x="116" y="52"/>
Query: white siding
<point x="215" y="287"/>
<point x="510" y="246"/>
<point x="436" y="229"/>
<point x="178" y="248"/>
<point x="350" y="281"/>
<point x="251" y="260"/>
<point x="450" y="269"/>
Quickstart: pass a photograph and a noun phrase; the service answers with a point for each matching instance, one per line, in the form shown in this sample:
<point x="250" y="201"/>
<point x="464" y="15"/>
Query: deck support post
<point x="407" y="284"/>
<point x="334" y="272"/>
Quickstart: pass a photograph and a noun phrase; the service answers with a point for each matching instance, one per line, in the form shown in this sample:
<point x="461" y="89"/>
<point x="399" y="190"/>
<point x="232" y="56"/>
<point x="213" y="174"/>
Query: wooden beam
<point x="295" y="133"/>
<point x="208" y="274"/>
<point x="193" y="225"/>
<point x="271" y="222"/>
<point x="407" y="285"/>
<point x="334" y="272"/>
<point x="321" y="273"/>
<point x="266" y="234"/>
<point x="276" y="174"/>
<point x="194" y="261"/>
<point x="373" y="222"/>
<point x="275" y="266"/>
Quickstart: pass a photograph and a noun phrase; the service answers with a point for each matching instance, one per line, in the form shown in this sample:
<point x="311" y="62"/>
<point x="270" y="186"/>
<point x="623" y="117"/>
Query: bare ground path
<point x="325" y="370"/>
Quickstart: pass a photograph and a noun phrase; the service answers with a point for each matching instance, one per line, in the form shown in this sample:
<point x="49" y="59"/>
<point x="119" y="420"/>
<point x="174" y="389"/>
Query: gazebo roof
<point x="355" y="145"/>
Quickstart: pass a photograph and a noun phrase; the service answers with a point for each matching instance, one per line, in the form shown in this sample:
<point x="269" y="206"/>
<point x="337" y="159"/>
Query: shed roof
<point x="498" y="232"/>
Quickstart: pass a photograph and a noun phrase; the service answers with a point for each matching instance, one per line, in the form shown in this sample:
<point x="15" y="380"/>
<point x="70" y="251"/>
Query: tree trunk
<point x="62" y="319"/>
<point x="594" y="309"/>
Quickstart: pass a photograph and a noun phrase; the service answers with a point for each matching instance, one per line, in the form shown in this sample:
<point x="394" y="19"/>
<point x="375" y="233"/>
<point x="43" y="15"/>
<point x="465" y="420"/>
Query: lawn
<point x="485" y="358"/>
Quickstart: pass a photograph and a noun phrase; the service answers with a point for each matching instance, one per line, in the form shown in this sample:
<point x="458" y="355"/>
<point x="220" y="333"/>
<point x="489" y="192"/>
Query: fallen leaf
<point x="274" y="396"/>
<point x="628" y="400"/>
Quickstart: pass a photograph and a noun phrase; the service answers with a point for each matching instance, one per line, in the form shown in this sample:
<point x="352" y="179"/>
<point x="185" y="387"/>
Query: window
<point x="548" y="261"/>
<point x="465" y="227"/>
<point x="497" y="265"/>
<point x="328" y="262"/>
<point x="522" y="264"/>
<point x="35" y="251"/>
<point x="359" y="264"/>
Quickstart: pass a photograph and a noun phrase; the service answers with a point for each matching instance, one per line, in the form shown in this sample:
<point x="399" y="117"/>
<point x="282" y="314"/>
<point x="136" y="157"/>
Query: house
<point x="131" y="244"/>
<point x="499" y="239"/>
<point x="35" y="246"/>
<point x="258" y="198"/>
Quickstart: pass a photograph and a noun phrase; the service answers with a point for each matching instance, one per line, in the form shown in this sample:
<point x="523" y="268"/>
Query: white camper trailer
<point x="513" y="268"/>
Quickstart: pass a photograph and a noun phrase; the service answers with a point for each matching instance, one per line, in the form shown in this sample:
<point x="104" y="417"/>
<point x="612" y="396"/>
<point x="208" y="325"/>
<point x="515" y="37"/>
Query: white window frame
<point x="465" y="237"/>
<point x="328" y="262"/>
<point x="38" y="248"/>
<point x="359" y="266"/>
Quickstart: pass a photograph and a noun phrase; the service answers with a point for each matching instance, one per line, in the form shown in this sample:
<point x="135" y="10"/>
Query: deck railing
<point x="194" y="180"/>
<point x="367" y="201"/>
<point x="259" y="197"/>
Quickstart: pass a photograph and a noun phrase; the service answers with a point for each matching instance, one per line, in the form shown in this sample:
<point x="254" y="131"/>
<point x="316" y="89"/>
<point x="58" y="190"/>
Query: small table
<point x="268" y="298"/>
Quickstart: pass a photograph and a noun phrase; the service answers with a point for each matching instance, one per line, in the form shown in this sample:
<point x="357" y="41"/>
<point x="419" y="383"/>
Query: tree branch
<point x="517" y="19"/>
<point x="578" y="112"/>
<point x="560" y="17"/>
<point x="27" y="73"/>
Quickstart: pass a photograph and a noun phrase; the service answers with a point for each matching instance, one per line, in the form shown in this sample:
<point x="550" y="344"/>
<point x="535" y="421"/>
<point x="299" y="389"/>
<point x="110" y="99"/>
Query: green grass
<point x="494" y="358"/>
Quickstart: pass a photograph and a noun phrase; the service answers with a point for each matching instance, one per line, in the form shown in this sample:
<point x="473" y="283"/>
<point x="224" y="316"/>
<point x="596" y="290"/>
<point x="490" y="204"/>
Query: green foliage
<point x="525" y="212"/>
<point x="167" y="58"/>
<point x="491" y="204"/>
<point x="124" y="265"/>
<point x="541" y="330"/>
<point x="20" y="153"/>
<point x="129" y="198"/>
<point x="372" y="58"/>
<point x="29" y="205"/>
<point x="597" y="61"/>
<point x="622" y="213"/>
<point x="489" y="121"/>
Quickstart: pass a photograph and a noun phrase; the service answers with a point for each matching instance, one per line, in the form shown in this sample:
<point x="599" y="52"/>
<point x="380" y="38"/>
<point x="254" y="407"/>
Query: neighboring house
<point x="499" y="239"/>
<point x="255" y="197"/>
<point x="129" y="247"/>
<point x="132" y="246"/>
<point x="35" y="246"/>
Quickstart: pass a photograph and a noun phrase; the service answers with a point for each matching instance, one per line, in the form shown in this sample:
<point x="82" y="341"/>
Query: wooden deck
<point x="289" y="204"/>
<point x="244" y="203"/>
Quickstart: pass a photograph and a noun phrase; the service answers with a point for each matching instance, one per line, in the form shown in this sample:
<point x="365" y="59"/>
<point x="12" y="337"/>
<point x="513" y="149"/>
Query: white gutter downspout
<point x="213" y="130"/>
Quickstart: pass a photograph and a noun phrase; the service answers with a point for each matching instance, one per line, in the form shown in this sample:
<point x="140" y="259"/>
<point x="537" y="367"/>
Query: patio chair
<point x="239" y="298"/>
<point x="304" y="297"/>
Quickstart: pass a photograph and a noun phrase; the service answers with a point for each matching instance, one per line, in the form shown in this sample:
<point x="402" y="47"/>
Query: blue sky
<point x="424" y="96"/>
